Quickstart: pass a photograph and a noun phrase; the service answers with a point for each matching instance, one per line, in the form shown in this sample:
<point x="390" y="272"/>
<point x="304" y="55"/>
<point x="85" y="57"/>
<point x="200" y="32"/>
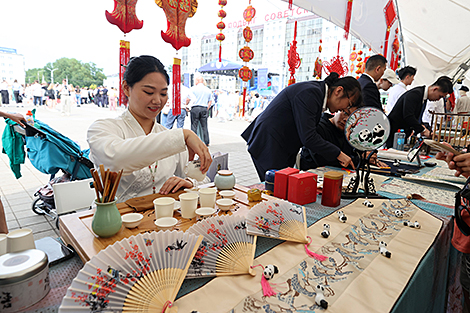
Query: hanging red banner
<point x="347" y="22"/>
<point x="390" y="18"/>
<point x="124" y="55"/>
<point x="176" y="108"/>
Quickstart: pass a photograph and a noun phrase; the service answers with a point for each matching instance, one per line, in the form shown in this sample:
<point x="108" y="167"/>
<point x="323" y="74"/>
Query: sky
<point x="44" y="31"/>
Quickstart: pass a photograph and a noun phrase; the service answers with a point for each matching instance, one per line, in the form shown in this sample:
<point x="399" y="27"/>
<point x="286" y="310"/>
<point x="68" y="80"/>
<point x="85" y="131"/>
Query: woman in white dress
<point x="153" y="158"/>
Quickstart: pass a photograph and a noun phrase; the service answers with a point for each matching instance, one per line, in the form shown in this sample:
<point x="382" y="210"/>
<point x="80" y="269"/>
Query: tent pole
<point x="401" y="33"/>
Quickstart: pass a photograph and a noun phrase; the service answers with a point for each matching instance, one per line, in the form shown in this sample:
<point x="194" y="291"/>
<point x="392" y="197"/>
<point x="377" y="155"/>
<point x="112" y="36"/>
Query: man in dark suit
<point x="375" y="68"/>
<point x="406" y="114"/>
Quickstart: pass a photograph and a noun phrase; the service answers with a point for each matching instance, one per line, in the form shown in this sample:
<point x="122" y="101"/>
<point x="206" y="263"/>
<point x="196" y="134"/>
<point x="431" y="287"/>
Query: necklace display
<point x="153" y="172"/>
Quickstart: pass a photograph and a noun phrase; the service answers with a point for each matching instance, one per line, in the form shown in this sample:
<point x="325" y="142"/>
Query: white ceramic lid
<point x="19" y="266"/>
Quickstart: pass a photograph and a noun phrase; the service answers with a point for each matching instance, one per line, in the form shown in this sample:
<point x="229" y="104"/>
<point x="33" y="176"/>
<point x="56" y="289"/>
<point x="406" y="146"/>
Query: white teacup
<point x="193" y="170"/>
<point x="225" y="204"/>
<point x="207" y="197"/>
<point x="164" y="207"/>
<point x="204" y="213"/>
<point x="227" y="194"/>
<point x="166" y="223"/>
<point x="188" y="203"/>
<point x="20" y="239"/>
<point x="3" y="244"/>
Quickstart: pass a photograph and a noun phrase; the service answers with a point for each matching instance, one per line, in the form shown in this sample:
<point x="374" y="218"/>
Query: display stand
<point x="362" y="176"/>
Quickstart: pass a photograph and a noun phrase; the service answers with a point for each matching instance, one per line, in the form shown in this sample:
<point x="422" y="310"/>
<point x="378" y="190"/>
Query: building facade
<point x="12" y="66"/>
<point x="272" y="36"/>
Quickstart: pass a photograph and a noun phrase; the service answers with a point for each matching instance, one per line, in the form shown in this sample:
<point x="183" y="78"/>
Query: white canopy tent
<point x="434" y="32"/>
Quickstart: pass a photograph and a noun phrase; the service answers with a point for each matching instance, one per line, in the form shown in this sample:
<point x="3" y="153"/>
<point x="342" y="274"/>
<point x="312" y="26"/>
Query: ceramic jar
<point x="224" y="180"/>
<point x="107" y="220"/>
<point x="332" y="188"/>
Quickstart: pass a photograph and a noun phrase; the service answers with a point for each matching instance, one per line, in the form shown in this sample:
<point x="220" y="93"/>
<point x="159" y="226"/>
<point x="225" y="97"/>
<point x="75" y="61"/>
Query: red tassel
<point x="319" y="257"/>
<point x="290" y="4"/>
<point x="347" y="22"/>
<point x="244" y="97"/>
<point x="220" y="52"/>
<point x="176" y="108"/>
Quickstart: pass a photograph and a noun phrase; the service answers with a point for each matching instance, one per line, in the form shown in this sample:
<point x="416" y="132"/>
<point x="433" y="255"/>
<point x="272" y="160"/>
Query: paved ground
<point x="17" y="194"/>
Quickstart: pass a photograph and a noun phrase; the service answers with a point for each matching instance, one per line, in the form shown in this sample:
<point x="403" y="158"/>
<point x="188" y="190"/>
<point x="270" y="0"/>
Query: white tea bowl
<point x="225" y="204"/>
<point x="227" y="194"/>
<point x="205" y="212"/>
<point x="132" y="220"/>
<point x="166" y="223"/>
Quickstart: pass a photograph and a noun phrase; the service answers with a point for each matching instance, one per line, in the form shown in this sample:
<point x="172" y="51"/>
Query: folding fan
<point x="142" y="273"/>
<point x="226" y="248"/>
<point x="278" y="219"/>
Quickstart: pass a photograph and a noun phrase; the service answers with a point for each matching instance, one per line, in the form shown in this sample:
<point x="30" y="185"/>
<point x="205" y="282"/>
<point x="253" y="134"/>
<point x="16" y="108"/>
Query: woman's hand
<point x="345" y="160"/>
<point x="173" y="184"/>
<point x="374" y="161"/>
<point x="459" y="163"/>
<point x="196" y="146"/>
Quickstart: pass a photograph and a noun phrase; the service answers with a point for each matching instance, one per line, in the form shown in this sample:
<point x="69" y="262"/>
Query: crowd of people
<point x="50" y="94"/>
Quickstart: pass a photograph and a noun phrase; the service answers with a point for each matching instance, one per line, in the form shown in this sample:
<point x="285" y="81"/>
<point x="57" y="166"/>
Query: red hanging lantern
<point x="246" y="54"/>
<point x="245" y="73"/>
<point x="124" y="16"/>
<point x="318" y="68"/>
<point x="249" y="13"/>
<point x="177" y="12"/>
<point x="247" y="34"/>
<point x="221" y="26"/>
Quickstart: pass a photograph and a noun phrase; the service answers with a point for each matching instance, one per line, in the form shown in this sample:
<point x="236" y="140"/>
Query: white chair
<point x="72" y="196"/>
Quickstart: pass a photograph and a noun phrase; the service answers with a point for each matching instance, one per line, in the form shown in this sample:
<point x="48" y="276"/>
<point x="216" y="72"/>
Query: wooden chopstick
<point x="106" y="186"/>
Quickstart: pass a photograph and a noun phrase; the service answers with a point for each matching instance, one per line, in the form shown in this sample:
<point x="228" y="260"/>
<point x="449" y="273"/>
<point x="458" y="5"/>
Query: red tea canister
<point x="332" y="188"/>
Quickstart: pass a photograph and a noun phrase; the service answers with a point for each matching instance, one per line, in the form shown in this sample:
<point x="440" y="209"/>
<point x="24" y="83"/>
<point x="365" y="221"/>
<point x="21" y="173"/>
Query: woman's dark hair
<point x="351" y="86"/>
<point x="142" y="65"/>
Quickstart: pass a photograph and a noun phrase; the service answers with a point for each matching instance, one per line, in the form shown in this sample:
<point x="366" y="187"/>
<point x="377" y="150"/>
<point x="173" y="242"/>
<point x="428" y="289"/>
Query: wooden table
<point x="75" y="229"/>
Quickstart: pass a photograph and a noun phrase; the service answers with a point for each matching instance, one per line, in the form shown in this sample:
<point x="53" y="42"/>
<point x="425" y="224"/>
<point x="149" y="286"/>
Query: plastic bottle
<point x="399" y="140"/>
<point x="29" y="118"/>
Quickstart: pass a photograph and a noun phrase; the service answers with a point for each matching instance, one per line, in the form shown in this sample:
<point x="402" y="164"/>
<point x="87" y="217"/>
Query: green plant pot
<point x="107" y="220"/>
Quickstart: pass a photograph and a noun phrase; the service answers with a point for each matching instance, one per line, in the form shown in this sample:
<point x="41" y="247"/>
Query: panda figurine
<point x="412" y="225"/>
<point x="396" y="163"/>
<point x="378" y="133"/>
<point x="365" y="135"/>
<point x="269" y="271"/>
<point x="320" y="297"/>
<point x="326" y="231"/>
<point x="368" y="204"/>
<point x="342" y="218"/>
<point x="383" y="249"/>
<point x="399" y="213"/>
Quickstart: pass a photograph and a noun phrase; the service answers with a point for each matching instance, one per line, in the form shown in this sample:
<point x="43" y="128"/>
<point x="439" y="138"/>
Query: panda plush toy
<point x="269" y="271"/>
<point x="365" y="135"/>
<point x="378" y="134"/>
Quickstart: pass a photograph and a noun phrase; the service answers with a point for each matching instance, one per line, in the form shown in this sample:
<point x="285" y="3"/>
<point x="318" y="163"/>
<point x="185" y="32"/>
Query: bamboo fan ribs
<point x="142" y="273"/>
<point x="106" y="187"/>
<point x="278" y="219"/>
<point x="226" y="248"/>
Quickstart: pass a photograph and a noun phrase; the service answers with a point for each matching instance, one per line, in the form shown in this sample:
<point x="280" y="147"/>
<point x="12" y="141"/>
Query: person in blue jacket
<point x="275" y="137"/>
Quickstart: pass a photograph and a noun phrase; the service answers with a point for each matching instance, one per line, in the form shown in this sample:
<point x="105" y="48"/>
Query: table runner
<point x="356" y="242"/>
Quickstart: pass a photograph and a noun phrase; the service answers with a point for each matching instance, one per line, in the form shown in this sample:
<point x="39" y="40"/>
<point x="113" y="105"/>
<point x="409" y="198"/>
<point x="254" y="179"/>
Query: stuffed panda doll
<point x="269" y="271"/>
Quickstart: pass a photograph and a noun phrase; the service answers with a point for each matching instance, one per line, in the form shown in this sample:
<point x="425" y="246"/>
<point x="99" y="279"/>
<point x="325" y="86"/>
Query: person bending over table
<point x="290" y="121"/>
<point x="152" y="157"/>
<point x="408" y="110"/>
<point x="331" y="128"/>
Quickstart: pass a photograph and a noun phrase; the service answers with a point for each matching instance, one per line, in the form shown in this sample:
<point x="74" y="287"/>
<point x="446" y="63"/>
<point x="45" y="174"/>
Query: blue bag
<point x="49" y="151"/>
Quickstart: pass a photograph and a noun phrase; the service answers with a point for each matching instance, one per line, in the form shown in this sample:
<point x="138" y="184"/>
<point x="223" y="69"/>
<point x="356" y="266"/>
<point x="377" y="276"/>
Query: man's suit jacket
<point x="406" y="113"/>
<point x="289" y="122"/>
<point x="370" y="92"/>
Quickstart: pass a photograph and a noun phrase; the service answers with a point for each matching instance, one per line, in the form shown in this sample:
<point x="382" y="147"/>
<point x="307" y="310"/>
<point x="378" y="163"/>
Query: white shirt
<point x="436" y="106"/>
<point x="393" y="94"/>
<point x="37" y="90"/>
<point x="121" y="143"/>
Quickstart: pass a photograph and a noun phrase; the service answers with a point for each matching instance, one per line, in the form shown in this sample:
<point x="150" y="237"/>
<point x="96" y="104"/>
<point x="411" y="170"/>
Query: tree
<point x="76" y="72"/>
